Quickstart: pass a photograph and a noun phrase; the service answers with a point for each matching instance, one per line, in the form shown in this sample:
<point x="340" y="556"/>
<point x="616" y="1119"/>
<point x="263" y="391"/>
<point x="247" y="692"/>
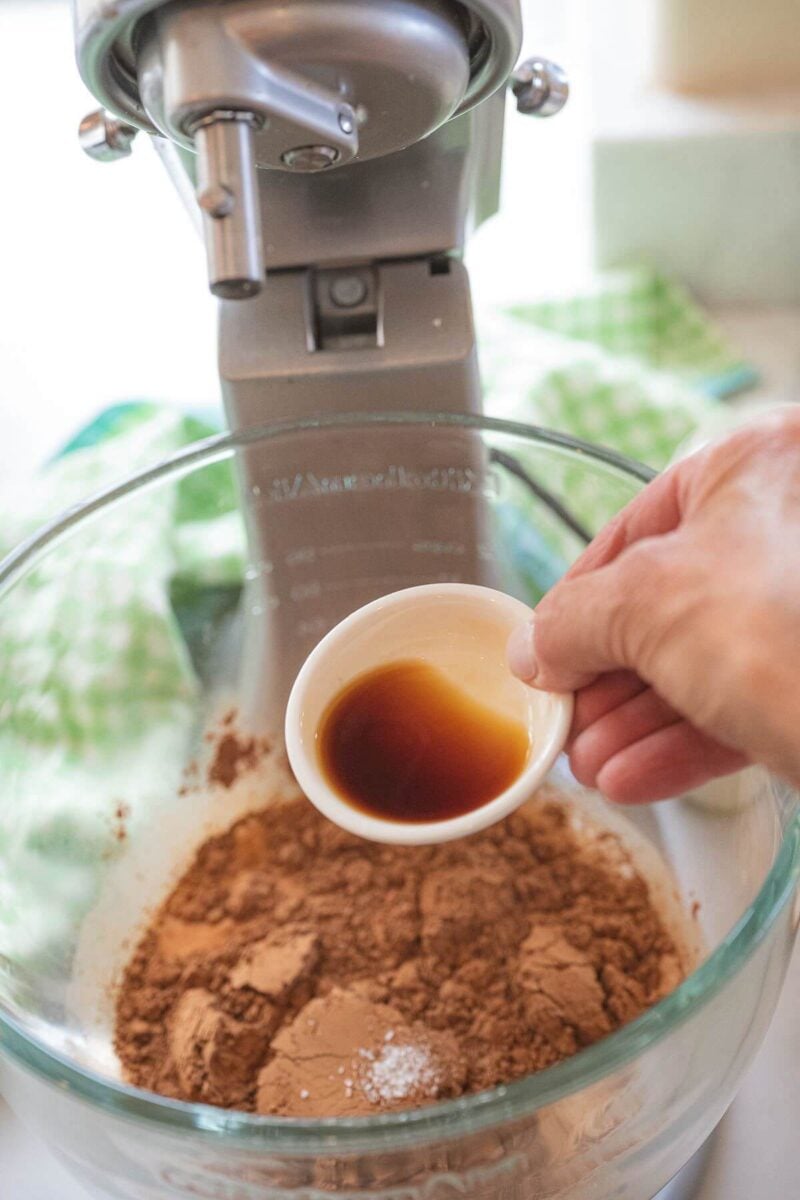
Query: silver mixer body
<point x="338" y="153"/>
<point x="336" y="101"/>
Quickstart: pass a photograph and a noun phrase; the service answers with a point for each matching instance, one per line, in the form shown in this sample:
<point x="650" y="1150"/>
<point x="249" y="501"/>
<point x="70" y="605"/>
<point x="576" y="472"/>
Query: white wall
<point x="103" y="290"/>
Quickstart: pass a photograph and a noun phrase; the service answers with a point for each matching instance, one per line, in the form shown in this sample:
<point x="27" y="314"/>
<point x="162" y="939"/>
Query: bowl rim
<point x="447" y="1118"/>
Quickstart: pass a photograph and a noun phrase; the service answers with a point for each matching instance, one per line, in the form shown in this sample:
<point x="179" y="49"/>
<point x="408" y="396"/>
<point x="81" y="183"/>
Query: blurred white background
<point x="104" y="295"/>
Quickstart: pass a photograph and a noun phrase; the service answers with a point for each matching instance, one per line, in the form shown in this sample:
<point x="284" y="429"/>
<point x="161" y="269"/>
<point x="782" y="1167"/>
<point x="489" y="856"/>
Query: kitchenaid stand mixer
<point x="338" y="151"/>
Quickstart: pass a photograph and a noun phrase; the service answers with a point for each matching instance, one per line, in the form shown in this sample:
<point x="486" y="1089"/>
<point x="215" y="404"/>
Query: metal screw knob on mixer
<point x="227" y="193"/>
<point x="105" y="138"/>
<point x="310" y="158"/>
<point x="541" y="87"/>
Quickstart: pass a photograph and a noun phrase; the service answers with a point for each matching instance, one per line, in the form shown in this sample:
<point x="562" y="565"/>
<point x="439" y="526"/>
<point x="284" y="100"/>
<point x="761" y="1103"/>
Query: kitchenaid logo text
<point x="459" y="480"/>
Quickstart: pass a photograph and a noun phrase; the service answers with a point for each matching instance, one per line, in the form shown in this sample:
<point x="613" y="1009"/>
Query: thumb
<point x="606" y="620"/>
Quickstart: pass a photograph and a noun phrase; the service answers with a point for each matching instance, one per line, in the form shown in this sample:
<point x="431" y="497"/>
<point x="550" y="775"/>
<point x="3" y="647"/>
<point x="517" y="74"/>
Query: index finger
<point x="656" y="510"/>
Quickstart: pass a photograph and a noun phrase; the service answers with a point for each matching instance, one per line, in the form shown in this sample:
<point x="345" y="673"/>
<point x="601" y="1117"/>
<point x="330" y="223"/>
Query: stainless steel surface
<point x="227" y="192"/>
<point x="105" y="138"/>
<point x="105" y="35"/>
<point x="425" y="351"/>
<point x="423" y="201"/>
<point x="310" y="158"/>
<point x="307" y="88"/>
<point x="326" y="84"/>
<point x="245" y="55"/>
<point x="408" y="344"/>
<point x="541" y="87"/>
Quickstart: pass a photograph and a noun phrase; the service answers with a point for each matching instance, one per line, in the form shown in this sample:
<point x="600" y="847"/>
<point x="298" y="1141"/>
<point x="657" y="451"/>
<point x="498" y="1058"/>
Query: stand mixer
<point x="338" y="153"/>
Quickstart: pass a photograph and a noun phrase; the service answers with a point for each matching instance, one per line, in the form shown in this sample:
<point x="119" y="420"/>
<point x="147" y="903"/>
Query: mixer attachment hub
<point x="310" y="158"/>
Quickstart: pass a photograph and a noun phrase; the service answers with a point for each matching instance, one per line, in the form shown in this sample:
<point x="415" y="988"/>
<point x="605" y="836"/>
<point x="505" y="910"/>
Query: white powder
<point x="399" y="1072"/>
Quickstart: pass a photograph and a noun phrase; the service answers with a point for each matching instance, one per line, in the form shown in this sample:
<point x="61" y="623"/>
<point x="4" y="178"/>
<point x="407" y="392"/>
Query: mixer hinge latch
<point x="344" y="310"/>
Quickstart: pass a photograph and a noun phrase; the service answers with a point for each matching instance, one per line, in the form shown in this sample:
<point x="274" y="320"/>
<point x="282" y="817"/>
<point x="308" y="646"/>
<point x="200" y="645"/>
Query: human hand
<point x="679" y="627"/>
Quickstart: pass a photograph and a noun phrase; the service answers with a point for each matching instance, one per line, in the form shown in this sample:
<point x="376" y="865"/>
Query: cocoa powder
<point x="298" y="970"/>
<point x="232" y="754"/>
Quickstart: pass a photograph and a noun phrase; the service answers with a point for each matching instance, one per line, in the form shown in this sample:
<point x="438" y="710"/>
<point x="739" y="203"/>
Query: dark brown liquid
<point x="403" y="742"/>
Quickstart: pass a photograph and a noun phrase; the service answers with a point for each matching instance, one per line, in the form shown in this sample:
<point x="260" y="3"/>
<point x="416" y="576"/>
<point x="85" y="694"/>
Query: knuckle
<point x="586" y="759"/>
<point x="762" y="438"/>
<point x="636" y="616"/>
<point x="781" y="424"/>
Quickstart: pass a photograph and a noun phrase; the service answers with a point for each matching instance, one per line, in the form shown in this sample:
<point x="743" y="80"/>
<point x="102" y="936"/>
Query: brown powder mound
<point x="275" y="965"/>
<point x="233" y="754"/>
<point x="343" y="1055"/>
<point x="271" y="976"/>
<point x="214" y="1054"/>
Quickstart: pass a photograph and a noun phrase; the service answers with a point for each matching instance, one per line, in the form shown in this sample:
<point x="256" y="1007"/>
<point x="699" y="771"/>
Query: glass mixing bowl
<point x="125" y="626"/>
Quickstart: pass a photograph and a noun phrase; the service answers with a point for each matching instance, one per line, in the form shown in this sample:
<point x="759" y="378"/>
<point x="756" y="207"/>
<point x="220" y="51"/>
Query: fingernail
<point x="520" y="653"/>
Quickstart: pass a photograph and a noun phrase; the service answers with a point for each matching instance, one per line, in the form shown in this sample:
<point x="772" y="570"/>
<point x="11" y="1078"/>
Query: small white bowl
<point x="461" y="630"/>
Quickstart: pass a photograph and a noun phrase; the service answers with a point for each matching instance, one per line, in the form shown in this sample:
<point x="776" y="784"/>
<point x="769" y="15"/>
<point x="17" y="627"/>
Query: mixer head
<point x="295" y="86"/>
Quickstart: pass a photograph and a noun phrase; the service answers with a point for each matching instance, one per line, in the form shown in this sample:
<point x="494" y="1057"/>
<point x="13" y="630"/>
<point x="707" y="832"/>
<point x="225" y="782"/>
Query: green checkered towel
<point x="640" y="315"/>
<point x="97" y="685"/>
<point x="631" y="363"/>
<point x="97" y="673"/>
